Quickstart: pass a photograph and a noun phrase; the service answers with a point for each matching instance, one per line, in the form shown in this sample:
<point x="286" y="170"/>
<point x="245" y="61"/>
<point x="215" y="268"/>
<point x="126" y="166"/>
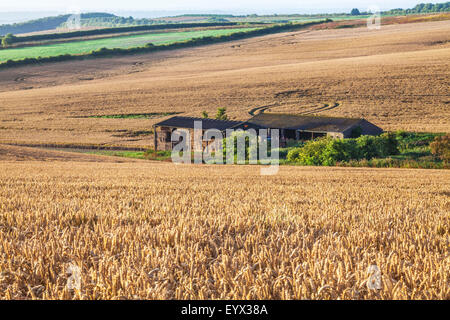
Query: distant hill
<point x="115" y="21"/>
<point x="107" y="20"/>
<point x="48" y="23"/>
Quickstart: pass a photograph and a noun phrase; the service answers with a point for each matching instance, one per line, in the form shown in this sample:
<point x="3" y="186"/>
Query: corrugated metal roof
<point x="300" y="122"/>
<point x="188" y="123"/>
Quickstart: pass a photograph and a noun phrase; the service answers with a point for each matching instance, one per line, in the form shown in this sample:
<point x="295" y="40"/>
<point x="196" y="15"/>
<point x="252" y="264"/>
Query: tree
<point x="355" y="12"/>
<point x="428" y="8"/>
<point x="221" y="114"/>
<point x="204" y="114"/>
<point x="8" y="40"/>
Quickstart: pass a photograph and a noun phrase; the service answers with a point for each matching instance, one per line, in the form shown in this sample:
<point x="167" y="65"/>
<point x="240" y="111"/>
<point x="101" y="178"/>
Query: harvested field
<point x="16" y="153"/>
<point x="396" y="78"/>
<point x="159" y="231"/>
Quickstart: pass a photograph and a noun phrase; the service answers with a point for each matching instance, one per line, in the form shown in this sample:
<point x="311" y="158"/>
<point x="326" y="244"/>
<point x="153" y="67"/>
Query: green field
<point x="85" y="46"/>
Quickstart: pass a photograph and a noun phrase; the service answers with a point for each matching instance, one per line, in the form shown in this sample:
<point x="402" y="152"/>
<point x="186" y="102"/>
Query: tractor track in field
<point x="324" y="107"/>
<point x="258" y="110"/>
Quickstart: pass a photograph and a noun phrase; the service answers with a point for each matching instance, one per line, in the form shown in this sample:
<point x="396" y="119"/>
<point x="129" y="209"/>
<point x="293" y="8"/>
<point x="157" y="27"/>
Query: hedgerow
<point x="84" y="33"/>
<point x="328" y="151"/>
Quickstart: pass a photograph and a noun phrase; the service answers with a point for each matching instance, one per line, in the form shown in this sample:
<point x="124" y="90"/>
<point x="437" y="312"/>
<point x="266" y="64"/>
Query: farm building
<point x="292" y="127"/>
<point x="163" y="130"/>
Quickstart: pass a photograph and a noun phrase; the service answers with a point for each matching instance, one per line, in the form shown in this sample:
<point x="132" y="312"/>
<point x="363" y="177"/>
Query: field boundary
<point x="75" y="34"/>
<point x="75" y="146"/>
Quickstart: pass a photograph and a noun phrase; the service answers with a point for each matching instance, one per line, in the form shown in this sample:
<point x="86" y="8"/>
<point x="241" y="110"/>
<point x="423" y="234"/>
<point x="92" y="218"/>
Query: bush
<point x="221" y="114"/>
<point x="440" y="147"/>
<point x="339" y="150"/>
<point x="311" y="154"/>
<point x="8" y="40"/>
<point x="328" y="152"/>
<point x="294" y="155"/>
<point x="387" y="144"/>
<point x="411" y="140"/>
<point x="367" y="146"/>
<point x="380" y="146"/>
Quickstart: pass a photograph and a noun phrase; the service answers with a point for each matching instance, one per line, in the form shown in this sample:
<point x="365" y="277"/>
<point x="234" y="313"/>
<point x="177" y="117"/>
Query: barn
<point x="290" y="126"/>
<point x="163" y="130"/>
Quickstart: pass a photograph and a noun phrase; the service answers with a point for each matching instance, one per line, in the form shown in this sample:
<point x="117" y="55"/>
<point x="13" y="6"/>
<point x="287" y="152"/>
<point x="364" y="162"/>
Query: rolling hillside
<point x="370" y="74"/>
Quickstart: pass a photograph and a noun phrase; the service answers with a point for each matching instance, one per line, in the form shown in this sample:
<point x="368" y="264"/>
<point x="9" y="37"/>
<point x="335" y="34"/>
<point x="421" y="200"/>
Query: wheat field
<point x="146" y="230"/>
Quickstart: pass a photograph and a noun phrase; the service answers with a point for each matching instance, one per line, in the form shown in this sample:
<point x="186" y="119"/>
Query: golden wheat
<point x="161" y="231"/>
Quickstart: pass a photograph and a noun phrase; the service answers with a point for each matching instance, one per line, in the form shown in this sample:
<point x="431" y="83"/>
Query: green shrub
<point x="221" y="114"/>
<point x="310" y="154"/>
<point x="294" y="155"/>
<point x="367" y="146"/>
<point x="387" y="144"/>
<point x="8" y="40"/>
<point x="339" y="150"/>
<point x="328" y="152"/>
<point x="411" y="140"/>
<point x="377" y="146"/>
<point x="440" y="147"/>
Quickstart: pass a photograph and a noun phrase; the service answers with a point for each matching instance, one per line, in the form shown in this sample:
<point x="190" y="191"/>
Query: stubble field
<point x="159" y="231"/>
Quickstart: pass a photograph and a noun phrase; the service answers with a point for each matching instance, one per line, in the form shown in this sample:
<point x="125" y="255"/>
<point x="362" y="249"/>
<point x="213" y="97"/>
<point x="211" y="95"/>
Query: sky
<point x="230" y="6"/>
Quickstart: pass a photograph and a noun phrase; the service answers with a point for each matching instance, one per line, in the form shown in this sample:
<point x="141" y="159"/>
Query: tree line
<point x="420" y="8"/>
